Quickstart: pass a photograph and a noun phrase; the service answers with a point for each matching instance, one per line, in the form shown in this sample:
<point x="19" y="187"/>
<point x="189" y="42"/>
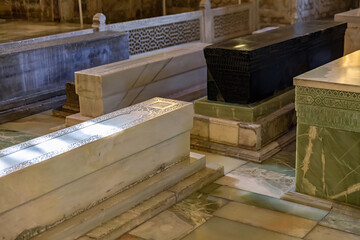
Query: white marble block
<point x="352" y="34"/>
<point x="48" y="179"/>
<point x="114" y="86"/>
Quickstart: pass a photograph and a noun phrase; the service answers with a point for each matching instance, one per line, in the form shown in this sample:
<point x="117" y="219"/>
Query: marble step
<point x="68" y="171"/>
<point x="124" y="201"/>
<point x="129" y="220"/>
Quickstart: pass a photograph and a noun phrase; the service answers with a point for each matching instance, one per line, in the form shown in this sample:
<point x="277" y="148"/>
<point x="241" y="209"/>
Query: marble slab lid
<point x="352" y="16"/>
<point x="258" y="41"/>
<point x="342" y="74"/>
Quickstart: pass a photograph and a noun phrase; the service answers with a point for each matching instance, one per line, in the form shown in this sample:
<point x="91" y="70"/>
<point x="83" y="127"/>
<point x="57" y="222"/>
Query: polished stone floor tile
<point x="197" y="208"/>
<point x="270" y="203"/>
<point x="324" y="233"/>
<point x="267" y="219"/>
<point x="38" y="124"/>
<point x="129" y="237"/>
<point x="9" y="138"/>
<point x="282" y="162"/>
<point x="210" y="188"/>
<point x="290" y="148"/>
<point x="262" y="181"/>
<point x="342" y="222"/>
<point x="165" y="226"/>
<point x="229" y="163"/>
<point x="223" y="229"/>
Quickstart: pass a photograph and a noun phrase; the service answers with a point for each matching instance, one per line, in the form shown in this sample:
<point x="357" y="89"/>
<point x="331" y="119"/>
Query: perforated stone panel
<point x="231" y="23"/>
<point x="157" y="37"/>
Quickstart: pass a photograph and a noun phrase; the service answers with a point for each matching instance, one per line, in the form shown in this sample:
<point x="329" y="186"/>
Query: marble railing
<point x="207" y="25"/>
<point x="229" y="22"/>
<point x="160" y="32"/>
<point x="54" y="177"/>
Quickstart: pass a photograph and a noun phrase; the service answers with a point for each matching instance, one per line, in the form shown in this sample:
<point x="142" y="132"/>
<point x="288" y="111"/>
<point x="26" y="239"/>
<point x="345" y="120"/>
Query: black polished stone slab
<point x="249" y="69"/>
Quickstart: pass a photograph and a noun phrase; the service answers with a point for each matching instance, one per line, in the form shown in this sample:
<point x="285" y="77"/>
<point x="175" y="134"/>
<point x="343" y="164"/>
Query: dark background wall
<point x="271" y="11"/>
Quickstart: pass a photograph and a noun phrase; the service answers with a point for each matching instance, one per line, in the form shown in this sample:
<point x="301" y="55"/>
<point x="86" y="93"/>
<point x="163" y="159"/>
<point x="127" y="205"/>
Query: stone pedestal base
<point x="250" y="140"/>
<point x="243" y="153"/>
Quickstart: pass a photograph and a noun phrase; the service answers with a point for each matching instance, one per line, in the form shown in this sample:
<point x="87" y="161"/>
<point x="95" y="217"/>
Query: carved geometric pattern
<point x="328" y="98"/>
<point x="328" y="108"/>
<point x="231" y="23"/>
<point x="157" y="37"/>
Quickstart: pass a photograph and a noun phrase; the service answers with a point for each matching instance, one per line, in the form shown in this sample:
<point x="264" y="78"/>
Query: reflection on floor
<point x="246" y="204"/>
<point x="20" y="30"/>
<point x="24" y="129"/>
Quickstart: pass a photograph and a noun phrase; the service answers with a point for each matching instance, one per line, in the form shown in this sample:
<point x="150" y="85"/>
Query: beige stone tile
<point x="165" y="226"/>
<point x="229" y="163"/>
<point x="223" y="131"/>
<point x="342" y="221"/>
<point x="250" y="177"/>
<point x="223" y="229"/>
<point x="248" y="137"/>
<point x="76" y="118"/>
<point x="38" y="124"/>
<point x="129" y="237"/>
<point x="270" y="203"/>
<point x="201" y="127"/>
<point x="267" y="219"/>
<point x="324" y="233"/>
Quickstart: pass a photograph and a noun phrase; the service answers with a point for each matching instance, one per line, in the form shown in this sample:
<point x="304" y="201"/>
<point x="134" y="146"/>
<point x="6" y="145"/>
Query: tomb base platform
<point x="252" y="132"/>
<point x="243" y="153"/>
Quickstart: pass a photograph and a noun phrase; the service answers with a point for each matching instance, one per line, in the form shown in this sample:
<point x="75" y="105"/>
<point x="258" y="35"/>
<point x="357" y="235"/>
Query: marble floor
<point x="16" y="30"/>
<point x="27" y="128"/>
<point x="245" y="204"/>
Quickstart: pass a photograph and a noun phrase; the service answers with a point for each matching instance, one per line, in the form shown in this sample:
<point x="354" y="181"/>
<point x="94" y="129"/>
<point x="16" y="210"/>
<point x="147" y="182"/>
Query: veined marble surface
<point x="220" y="212"/>
<point x="342" y="74"/>
<point x="352" y="34"/>
<point x="352" y="16"/>
<point x="250" y="177"/>
<point x="328" y="163"/>
<point x="114" y="86"/>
